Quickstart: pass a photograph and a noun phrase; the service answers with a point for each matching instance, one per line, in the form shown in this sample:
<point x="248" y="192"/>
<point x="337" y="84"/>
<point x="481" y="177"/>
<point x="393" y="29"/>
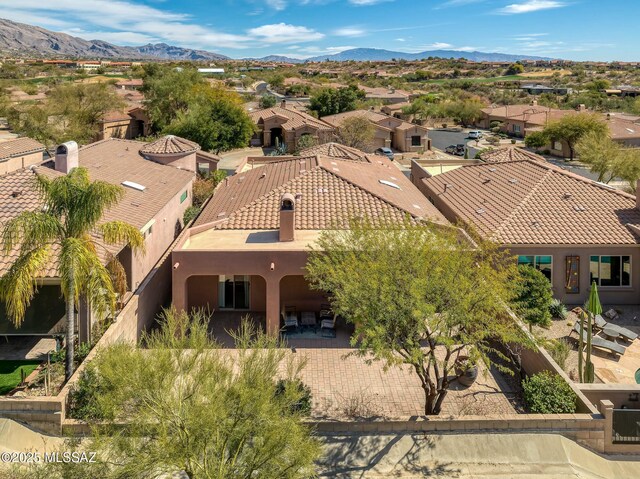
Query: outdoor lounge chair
<point x="600" y="342"/>
<point x="623" y="332"/>
<point x="328" y="326"/>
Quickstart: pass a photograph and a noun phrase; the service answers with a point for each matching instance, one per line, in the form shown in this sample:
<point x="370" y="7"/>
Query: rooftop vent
<point x="513" y="181"/>
<point x="389" y="183"/>
<point x="567" y="196"/>
<point x="492" y="170"/>
<point x="579" y="208"/>
<point x="480" y="211"/>
<point x="263" y="175"/>
<point x="15" y="194"/>
<point x="484" y="182"/>
<point x="134" y="185"/>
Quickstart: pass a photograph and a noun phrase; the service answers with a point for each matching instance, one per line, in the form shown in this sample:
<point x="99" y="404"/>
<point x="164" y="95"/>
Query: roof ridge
<point x="269" y="193"/>
<point x="390" y="203"/>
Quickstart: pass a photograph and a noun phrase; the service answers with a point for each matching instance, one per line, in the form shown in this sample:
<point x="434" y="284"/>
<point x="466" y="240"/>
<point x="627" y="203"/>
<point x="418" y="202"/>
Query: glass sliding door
<point x="233" y="292"/>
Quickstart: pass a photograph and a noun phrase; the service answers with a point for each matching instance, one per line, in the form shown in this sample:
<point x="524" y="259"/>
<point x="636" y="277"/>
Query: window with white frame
<point x="610" y="270"/>
<point x="542" y="263"/>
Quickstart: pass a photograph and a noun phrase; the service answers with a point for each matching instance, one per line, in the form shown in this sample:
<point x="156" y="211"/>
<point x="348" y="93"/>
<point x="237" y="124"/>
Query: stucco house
<point x="522" y="120"/>
<point x="573" y="229"/>
<point x="20" y="153"/>
<point x="127" y="124"/>
<point x="248" y="249"/>
<point x="390" y="132"/>
<point x="283" y="125"/>
<point x="155" y="199"/>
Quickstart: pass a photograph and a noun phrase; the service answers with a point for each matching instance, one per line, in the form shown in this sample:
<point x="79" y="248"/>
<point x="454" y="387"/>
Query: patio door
<point x="233" y="292"/>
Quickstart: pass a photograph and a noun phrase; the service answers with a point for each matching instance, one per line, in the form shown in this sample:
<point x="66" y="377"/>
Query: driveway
<point x="441" y="138"/>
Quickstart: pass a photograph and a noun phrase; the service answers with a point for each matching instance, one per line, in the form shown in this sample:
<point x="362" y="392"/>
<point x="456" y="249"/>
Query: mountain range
<point x="22" y="39"/>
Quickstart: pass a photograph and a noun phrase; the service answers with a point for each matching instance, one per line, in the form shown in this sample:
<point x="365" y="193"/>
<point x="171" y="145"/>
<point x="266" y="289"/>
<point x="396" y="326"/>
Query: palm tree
<point x="64" y="231"/>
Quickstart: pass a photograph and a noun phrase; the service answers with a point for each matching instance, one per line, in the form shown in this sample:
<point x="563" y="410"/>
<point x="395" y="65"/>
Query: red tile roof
<point x="293" y="118"/>
<point x="169" y="145"/>
<point x="335" y="150"/>
<point x="530" y="202"/>
<point x="509" y="153"/>
<point x="19" y="147"/>
<point x="332" y="190"/>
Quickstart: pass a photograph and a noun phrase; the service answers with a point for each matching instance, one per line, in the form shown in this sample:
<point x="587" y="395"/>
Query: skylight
<point x="389" y="183"/>
<point x="134" y="185"/>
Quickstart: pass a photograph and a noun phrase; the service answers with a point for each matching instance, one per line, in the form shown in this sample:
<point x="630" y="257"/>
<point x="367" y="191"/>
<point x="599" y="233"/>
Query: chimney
<point x="287" y="217"/>
<point x="66" y="157"/>
<point x="283" y="104"/>
<point x="534" y="102"/>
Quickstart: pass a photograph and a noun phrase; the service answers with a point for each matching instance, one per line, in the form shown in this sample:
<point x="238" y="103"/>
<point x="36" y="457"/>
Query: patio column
<point x="179" y="291"/>
<point x="273" y="306"/>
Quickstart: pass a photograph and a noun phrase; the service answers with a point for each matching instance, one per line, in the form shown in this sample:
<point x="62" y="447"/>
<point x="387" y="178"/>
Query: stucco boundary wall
<point x="47" y="413"/>
<point x="586" y="429"/>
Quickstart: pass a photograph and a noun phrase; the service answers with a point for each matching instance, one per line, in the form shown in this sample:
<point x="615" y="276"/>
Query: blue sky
<point x="572" y="29"/>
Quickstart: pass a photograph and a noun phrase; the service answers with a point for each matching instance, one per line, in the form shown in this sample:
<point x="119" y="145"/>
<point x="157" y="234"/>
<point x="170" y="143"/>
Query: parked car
<point x="384" y="151"/>
<point x="451" y="149"/>
<point x="475" y="135"/>
<point x="460" y="150"/>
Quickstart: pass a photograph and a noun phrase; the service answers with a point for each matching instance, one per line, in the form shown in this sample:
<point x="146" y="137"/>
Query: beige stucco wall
<point x="19" y="162"/>
<point x="165" y="230"/>
<point x="608" y="295"/>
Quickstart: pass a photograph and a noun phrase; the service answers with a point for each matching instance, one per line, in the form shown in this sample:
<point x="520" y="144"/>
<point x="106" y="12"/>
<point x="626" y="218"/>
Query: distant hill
<point x="277" y="59"/>
<point x="374" y="54"/>
<point x="19" y="38"/>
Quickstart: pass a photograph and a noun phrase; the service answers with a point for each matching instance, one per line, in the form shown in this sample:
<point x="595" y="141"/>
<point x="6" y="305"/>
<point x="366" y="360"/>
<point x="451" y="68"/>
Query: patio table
<point x="308" y="318"/>
<point x="611" y="333"/>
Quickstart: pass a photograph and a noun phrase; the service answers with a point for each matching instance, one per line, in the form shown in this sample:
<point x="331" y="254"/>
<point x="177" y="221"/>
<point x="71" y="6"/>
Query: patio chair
<point x="600" y="342"/>
<point x="290" y="317"/>
<point x="622" y="332"/>
<point x="328" y="327"/>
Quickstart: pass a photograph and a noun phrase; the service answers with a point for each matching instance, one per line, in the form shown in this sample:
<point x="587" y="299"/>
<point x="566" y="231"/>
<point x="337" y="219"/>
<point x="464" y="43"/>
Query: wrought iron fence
<point x="626" y="426"/>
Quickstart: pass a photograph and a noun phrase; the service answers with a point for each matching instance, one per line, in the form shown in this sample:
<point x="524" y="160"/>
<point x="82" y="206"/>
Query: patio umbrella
<point x="593" y="304"/>
<point x="593" y="308"/>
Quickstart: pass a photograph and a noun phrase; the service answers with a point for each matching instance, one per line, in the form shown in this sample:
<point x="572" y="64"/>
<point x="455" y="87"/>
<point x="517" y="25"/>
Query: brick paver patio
<point x="344" y="386"/>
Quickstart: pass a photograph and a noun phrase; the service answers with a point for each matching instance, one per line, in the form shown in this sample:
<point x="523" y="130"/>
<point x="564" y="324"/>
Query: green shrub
<point x="547" y="393"/>
<point x="558" y="310"/>
<point x="534" y="296"/>
<point x="190" y="213"/>
<point x="559" y="351"/>
<point x="299" y="392"/>
<point x="83" y="398"/>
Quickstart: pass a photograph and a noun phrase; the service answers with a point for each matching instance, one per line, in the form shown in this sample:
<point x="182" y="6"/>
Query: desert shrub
<point x="302" y="392"/>
<point x="557" y="309"/>
<point x="202" y="190"/>
<point x="83" y="403"/>
<point x="190" y="213"/>
<point x="547" y="393"/>
<point x="534" y="296"/>
<point x="559" y="351"/>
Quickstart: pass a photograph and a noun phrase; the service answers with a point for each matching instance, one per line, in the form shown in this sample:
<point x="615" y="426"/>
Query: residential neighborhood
<point x="232" y="249"/>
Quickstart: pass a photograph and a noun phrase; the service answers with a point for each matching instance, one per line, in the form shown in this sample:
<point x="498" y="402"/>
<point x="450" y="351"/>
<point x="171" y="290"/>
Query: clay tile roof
<point x="169" y="145"/>
<point x="113" y="161"/>
<point x="530" y="202"/>
<point x="293" y="118"/>
<point x="19" y="147"/>
<point x="509" y="153"/>
<point x="329" y="190"/>
<point x="335" y="150"/>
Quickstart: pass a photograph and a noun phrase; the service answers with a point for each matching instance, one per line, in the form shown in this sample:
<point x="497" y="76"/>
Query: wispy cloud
<point x="529" y="6"/>
<point x="457" y="3"/>
<point x="284" y="33"/>
<point x="350" y="32"/>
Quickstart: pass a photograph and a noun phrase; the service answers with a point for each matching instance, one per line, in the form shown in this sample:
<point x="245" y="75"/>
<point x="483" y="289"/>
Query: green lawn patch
<point x="10" y="373"/>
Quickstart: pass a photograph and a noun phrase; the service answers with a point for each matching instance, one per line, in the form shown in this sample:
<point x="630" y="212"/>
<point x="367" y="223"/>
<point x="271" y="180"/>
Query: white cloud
<point x="457" y="3"/>
<point x="437" y="46"/>
<point x="401" y="39"/>
<point x="277" y="4"/>
<point x="284" y="33"/>
<point x="122" y="16"/>
<point x="119" y="38"/>
<point x="529" y="6"/>
<point x="349" y="32"/>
